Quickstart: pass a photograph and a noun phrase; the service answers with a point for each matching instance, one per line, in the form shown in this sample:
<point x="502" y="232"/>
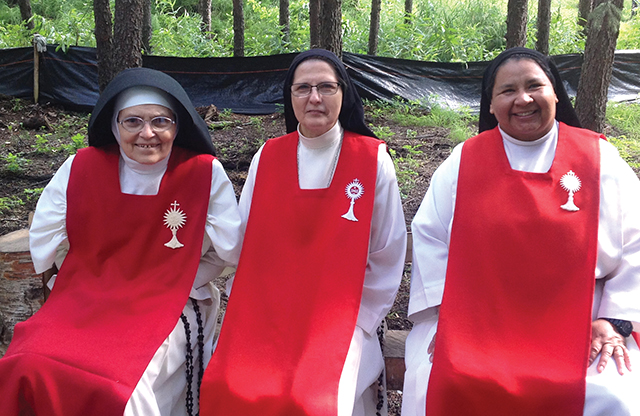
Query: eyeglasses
<point x="136" y="124"/>
<point x="324" y="88"/>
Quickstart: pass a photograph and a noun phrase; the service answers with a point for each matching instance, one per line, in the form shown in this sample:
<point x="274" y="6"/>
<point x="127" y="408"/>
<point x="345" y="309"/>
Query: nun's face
<point x="315" y="112"/>
<point x="147" y="146"/>
<point x="523" y="100"/>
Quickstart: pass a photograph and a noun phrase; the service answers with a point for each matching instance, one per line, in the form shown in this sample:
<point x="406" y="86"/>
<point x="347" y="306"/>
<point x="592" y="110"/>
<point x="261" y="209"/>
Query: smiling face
<point x="147" y="146"/>
<point x="316" y="113"/>
<point x="523" y="100"/>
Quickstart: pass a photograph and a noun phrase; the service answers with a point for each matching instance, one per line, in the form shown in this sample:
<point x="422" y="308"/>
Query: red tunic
<point x="515" y="322"/>
<point x="297" y="291"/>
<point x="118" y="295"/>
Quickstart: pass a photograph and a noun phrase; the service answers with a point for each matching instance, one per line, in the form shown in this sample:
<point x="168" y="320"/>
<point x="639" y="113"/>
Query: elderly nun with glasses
<point x="147" y="218"/>
<point x="321" y="262"/>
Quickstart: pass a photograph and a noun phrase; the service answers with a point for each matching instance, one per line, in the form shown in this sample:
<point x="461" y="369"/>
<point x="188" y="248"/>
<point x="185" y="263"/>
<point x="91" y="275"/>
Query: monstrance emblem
<point x="354" y="191"/>
<point x="174" y="219"/>
<point x="570" y="183"/>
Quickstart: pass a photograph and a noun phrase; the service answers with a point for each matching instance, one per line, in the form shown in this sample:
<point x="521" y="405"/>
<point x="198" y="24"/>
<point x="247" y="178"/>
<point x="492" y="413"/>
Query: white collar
<point x="550" y="135"/>
<point x="141" y="168"/>
<point x="331" y="137"/>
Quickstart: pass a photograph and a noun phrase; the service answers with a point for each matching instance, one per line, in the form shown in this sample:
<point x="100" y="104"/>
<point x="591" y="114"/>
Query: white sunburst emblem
<point x="354" y="191"/>
<point x="174" y="219"/>
<point x="570" y="183"/>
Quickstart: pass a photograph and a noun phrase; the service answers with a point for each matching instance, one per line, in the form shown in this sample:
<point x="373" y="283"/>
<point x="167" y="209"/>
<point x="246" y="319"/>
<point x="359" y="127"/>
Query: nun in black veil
<point x="321" y="262"/>
<point x="139" y="224"/>
<point x="526" y="260"/>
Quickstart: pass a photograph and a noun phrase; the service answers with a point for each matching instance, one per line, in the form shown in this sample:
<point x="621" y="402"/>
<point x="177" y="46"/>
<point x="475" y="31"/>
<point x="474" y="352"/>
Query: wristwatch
<point x="622" y="327"/>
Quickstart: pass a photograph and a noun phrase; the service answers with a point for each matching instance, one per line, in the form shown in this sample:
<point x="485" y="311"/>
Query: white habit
<point x="162" y="389"/>
<point x="357" y="391"/>
<point x="617" y="293"/>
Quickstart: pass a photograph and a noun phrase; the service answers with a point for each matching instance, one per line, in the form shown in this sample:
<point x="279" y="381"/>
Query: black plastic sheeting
<point x="253" y="85"/>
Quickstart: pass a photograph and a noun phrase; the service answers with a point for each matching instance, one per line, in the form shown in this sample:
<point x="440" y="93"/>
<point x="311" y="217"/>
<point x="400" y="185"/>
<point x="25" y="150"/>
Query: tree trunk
<point x="516" y="23"/>
<point x="603" y="28"/>
<point x="284" y="20"/>
<point x="331" y="26"/>
<point x="147" y="30"/>
<point x="104" y="44"/>
<point x="25" y="13"/>
<point x="584" y="8"/>
<point x="238" y="28"/>
<point x="374" y="27"/>
<point x="127" y="35"/>
<point x="544" y="20"/>
<point x="408" y="11"/>
<point x="314" y="23"/>
<point x="204" y="8"/>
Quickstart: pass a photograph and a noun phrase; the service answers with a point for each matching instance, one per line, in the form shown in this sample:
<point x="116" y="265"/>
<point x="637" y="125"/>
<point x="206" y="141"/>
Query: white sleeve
<point x="387" y="247"/>
<point x="246" y="196"/>
<point x="431" y="228"/>
<point x="223" y="239"/>
<point x="619" y="238"/>
<point x="48" y="229"/>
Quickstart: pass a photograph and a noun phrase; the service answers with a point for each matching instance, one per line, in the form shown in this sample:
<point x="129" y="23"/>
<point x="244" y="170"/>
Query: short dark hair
<point x="541" y="61"/>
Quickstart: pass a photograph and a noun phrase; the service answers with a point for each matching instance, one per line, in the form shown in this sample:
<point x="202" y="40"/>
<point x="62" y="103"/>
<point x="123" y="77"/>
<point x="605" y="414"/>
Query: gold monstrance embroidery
<point x="174" y="219"/>
<point x="354" y="191"/>
<point x="570" y="183"/>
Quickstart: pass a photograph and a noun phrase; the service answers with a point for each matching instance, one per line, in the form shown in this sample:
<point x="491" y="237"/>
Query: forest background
<point x="436" y="30"/>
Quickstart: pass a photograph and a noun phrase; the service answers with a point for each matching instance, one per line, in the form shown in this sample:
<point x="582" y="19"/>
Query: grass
<point x="8" y="203"/>
<point x="426" y="112"/>
<point x="625" y="118"/>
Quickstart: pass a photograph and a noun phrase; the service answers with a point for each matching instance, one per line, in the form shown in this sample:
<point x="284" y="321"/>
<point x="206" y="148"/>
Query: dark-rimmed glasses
<point x="135" y="124"/>
<point x="323" y="88"/>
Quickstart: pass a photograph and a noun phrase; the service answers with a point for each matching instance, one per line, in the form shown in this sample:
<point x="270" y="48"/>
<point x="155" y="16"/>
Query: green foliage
<point x="32" y="194"/>
<point x="625" y="116"/>
<point x="14" y="164"/>
<point x="226" y="114"/>
<point x="180" y="35"/>
<point x="9" y="15"/>
<point x="14" y="36"/>
<point x="8" y="203"/>
<point x="383" y="132"/>
<point x="42" y="145"/>
<point x="564" y="32"/>
<point x="77" y="143"/>
<point x="406" y="167"/>
<point x="428" y="112"/>
<point x="629" y="37"/>
<point x="67" y="23"/>
<point x="440" y="30"/>
<point x="626" y="119"/>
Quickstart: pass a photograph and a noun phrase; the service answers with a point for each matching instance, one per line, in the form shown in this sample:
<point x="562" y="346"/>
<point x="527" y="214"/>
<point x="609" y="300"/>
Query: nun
<point x="139" y="224"/>
<point x="321" y="262"/>
<point x="526" y="262"/>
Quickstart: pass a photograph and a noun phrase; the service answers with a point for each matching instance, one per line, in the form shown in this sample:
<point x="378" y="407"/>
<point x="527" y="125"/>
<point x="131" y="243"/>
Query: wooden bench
<point x="394" y="358"/>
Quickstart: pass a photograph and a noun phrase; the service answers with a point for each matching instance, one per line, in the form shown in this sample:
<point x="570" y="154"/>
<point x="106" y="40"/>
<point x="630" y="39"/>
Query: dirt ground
<point x="36" y="139"/>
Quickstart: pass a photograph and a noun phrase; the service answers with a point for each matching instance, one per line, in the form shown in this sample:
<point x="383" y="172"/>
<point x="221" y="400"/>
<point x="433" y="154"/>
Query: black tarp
<point x="16" y="72"/>
<point x="253" y="85"/>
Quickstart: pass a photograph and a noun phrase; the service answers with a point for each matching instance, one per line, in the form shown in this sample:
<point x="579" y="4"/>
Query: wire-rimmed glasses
<point x="324" y="88"/>
<point x="135" y="124"/>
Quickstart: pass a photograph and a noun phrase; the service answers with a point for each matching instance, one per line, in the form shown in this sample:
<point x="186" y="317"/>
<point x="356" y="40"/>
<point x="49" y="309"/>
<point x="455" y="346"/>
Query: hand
<point x="431" y="347"/>
<point x="607" y="342"/>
